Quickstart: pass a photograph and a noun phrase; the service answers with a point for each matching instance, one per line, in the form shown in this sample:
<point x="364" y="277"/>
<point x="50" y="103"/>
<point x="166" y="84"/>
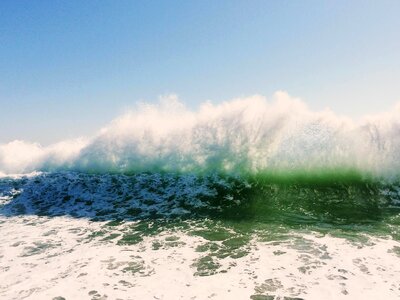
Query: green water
<point x="343" y="202"/>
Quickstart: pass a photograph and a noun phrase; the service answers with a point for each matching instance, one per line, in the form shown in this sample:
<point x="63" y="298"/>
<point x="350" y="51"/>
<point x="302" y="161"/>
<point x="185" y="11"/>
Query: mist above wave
<point x="249" y="134"/>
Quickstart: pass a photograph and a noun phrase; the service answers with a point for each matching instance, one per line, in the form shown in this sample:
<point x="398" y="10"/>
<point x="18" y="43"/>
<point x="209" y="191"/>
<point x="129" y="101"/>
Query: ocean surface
<point x="248" y="199"/>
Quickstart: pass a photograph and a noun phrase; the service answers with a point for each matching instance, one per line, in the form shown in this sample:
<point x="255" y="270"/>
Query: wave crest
<point x="242" y="135"/>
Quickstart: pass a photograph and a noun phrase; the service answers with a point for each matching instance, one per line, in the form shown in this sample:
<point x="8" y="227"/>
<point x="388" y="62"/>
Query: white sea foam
<point x="245" y="134"/>
<point x="63" y="257"/>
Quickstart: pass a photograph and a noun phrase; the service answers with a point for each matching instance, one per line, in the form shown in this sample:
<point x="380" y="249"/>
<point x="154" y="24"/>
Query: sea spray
<point x="246" y="135"/>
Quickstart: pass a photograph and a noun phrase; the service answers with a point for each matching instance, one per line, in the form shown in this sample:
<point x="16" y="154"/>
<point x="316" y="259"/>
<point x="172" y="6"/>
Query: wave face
<point x="347" y="203"/>
<point x="244" y="136"/>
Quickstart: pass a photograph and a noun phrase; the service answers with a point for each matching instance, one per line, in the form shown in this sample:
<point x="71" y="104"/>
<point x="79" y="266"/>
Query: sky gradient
<point x="69" y="67"/>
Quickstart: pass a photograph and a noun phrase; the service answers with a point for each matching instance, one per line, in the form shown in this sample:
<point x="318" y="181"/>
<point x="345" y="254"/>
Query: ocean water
<point x="248" y="199"/>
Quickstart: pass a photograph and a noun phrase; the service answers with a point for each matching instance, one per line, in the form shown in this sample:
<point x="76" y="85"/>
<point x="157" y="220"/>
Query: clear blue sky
<point x="69" y="67"/>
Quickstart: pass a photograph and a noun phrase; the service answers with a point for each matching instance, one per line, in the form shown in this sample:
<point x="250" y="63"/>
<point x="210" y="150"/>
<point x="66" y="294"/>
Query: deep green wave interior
<point x="321" y="201"/>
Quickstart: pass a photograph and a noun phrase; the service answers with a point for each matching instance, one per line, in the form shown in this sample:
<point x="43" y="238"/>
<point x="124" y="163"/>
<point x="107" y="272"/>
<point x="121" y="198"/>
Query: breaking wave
<point x="313" y="197"/>
<point x="253" y="135"/>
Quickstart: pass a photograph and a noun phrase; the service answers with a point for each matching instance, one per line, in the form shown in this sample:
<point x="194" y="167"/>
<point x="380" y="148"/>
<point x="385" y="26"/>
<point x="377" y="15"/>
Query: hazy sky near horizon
<point x="69" y="67"/>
